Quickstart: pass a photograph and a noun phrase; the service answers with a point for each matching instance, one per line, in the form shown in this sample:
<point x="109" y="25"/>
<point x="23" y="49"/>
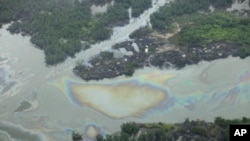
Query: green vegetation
<point x="199" y="130"/>
<point x="160" y="125"/>
<point x="153" y="135"/>
<point x="224" y="124"/>
<point x="58" y="27"/>
<point x="116" y="13"/>
<point x="100" y="2"/>
<point x="215" y="27"/>
<point x="219" y="26"/>
<point x="143" y="31"/>
<point x="221" y="3"/>
<point x="167" y="14"/>
<point x="130" y="128"/>
<point x="189" y="130"/>
<point x="76" y="136"/>
<point x="129" y="69"/>
<point x="138" y="6"/>
<point x="203" y="35"/>
<point x="107" y="65"/>
<point x="201" y="29"/>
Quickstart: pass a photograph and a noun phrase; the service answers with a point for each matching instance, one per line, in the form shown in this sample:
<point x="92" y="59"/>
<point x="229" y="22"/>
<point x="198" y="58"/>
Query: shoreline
<point x="107" y="124"/>
<point x="148" y="47"/>
<point x="151" y="52"/>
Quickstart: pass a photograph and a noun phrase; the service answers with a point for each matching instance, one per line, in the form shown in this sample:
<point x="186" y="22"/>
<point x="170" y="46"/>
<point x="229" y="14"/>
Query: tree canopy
<point x="167" y="14"/>
<point x="58" y="27"/>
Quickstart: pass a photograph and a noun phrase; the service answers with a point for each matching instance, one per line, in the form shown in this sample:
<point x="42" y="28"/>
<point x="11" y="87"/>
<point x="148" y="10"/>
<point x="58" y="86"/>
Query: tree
<point x="99" y="138"/>
<point x="131" y="128"/>
<point x="76" y="136"/>
<point x="139" y="6"/>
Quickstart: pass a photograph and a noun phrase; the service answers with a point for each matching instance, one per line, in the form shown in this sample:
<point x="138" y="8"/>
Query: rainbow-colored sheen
<point x="158" y="91"/>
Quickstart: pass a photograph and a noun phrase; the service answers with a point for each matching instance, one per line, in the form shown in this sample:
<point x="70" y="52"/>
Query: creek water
<point x="59" y="102"/>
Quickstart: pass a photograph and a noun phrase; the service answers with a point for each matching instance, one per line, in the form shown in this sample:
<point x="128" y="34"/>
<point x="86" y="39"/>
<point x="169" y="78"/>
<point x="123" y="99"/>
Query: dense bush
<point x="138" y="6"/>
<point x="199" y="130"/>
<point x="116" y="13"/>
<point x="143" y="31"/>
<point x="100" y="2"/>
<point x="221" y="3"/>
<point x="216" y="27"/>
<point x="130" y="128"/>
<point x="57" y="27"/>
<point x="76" y="136"/>
<point x="166" y="15"/>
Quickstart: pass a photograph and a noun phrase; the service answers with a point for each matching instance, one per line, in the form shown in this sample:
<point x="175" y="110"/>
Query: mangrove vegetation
<point x="63" y="28"/>
<point x="198" y="130"/>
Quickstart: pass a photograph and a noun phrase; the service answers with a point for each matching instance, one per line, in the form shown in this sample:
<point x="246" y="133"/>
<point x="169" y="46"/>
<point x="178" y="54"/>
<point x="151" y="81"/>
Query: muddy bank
<point x="150" y="51"/>
<point x="124" y="59"/>
<point x="194" y="54"/>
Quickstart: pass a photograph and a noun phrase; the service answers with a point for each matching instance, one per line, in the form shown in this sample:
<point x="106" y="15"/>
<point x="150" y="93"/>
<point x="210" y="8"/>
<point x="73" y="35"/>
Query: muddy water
<point x="59" y="102"/>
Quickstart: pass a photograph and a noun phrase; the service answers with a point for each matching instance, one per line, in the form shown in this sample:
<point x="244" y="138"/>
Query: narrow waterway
<point x="57" y="102"/>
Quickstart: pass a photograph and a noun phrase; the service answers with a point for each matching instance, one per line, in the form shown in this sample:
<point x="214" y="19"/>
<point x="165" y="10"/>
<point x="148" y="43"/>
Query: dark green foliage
<point x="245" y="120"/>
<point x="139" y="6"/>
<point x="57" y="27"/>
<point x="143" y="31"/>
<point x="224" y="124"/>
<point x="129" y="70"/>
<point x="99" y="138"/>
<point x="99" y="32"/>
<point x="81" y="70"/>
<point x="108" y="138"/>
<point x="76" y="136"/>
<point x="160" y="135"/>
<point x="153" y="135"/>
<point x="189" y="130"/>
<point x="116" y="13"/>
<point x="200" y="130"/>
<point x="167" y="14"/>
<point x="100" y="2"/>
<point x="221" y="122"/>
<point x="106" y="55"/>
<point x="130" y="128"/>
<point x="124" y="136"/>
<point x="221" y="3"/>
<point x="160" y="21"/>
<point x="203" y="29"/>
<point x="125" y="3"/>
<point x="215" y="27"/>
